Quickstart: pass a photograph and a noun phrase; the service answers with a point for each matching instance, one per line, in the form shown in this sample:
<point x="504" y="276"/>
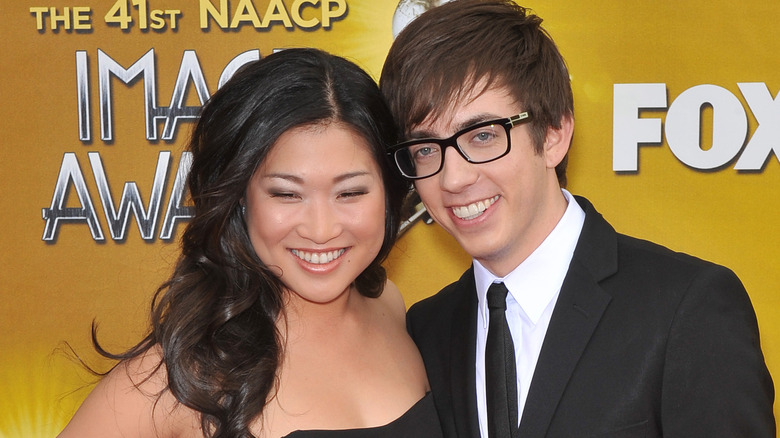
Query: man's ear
<point x="557" y="142"/>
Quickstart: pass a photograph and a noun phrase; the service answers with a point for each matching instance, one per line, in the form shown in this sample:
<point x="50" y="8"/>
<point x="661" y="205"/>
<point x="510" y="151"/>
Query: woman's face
<point x="315" y="210"/>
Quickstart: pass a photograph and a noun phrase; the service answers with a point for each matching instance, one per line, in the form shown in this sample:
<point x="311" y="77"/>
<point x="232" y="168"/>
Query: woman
<point x="278" y="319"/>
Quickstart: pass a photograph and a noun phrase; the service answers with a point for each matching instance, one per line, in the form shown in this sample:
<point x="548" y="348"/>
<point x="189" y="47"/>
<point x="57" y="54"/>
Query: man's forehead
<point x="461" y="112"/>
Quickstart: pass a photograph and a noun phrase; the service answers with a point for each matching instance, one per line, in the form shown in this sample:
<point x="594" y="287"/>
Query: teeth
<point x="475" y="210"/>
<point x="318" y="258"/>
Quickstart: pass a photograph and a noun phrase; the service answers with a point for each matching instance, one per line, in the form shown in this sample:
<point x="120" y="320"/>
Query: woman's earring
<point x="243" y="209"/>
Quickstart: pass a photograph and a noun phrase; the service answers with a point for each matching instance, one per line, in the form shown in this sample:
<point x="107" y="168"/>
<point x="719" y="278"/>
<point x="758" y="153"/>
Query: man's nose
<point x="456" y="173"/>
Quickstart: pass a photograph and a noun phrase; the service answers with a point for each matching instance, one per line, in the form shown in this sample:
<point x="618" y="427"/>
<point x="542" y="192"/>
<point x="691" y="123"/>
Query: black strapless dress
<point x="420" y="421"/>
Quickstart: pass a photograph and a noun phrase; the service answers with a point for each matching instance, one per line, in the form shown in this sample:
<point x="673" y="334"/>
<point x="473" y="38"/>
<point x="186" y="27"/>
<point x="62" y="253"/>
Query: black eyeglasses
<point x="481" y="143"/>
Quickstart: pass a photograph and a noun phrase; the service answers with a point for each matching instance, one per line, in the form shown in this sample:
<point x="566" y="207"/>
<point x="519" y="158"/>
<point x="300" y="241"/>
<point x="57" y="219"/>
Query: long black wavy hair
<point x="214" y="319"/>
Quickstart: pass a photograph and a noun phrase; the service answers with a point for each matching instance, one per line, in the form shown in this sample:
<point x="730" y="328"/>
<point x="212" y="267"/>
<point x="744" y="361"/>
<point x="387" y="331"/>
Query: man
<point x="603" y="335"/>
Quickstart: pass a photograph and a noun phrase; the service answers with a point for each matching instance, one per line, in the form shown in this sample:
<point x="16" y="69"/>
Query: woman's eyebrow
<point x="298" y="180"/>
<point x="349" y="175"/>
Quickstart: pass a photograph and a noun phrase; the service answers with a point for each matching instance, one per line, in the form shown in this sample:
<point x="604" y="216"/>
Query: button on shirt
<point x="534" y="287"/>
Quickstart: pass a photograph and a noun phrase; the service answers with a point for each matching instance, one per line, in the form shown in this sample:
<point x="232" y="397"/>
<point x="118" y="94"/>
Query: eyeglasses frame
<point x="508" y="123"/>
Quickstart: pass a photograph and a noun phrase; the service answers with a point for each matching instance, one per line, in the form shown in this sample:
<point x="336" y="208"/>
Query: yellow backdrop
<point x="711" y="70"/>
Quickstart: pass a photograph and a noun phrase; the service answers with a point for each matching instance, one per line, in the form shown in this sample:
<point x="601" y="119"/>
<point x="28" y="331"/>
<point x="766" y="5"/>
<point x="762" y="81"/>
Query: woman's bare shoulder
<point x="133" y="400"/>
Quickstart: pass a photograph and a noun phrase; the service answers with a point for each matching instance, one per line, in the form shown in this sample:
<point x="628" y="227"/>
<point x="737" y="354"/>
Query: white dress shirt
<point x="534" y="287"/>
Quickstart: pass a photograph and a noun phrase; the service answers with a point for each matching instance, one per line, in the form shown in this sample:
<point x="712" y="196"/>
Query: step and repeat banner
<point x="677" y="137"/>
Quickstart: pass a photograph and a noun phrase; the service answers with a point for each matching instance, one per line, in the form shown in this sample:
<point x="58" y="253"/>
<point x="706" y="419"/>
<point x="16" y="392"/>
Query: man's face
<point x="499" y="211"/>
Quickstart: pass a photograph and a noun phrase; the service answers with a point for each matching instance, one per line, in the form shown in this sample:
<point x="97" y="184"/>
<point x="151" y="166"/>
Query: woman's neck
<point x="306" y="318"/>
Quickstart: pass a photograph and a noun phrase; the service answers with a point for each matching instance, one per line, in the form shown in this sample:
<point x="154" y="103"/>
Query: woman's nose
<point x="320" y="222"/>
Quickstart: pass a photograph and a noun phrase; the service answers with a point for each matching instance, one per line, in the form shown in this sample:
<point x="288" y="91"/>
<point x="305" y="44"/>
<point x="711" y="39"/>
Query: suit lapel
<point x="579" y="309"/>
<point x="463" y="356"/>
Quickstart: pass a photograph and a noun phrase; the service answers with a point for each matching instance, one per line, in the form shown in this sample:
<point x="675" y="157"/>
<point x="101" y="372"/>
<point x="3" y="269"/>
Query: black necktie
<point x="500" y="368"/>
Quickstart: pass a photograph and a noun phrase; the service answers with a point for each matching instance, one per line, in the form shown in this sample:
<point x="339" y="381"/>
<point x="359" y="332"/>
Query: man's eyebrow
<point x="419" y="134"/>
<point x="473" y="120"/>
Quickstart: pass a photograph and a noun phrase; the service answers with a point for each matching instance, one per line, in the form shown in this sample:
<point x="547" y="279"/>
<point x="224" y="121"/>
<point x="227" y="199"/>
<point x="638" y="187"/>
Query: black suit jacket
<point x="643" y="342"/>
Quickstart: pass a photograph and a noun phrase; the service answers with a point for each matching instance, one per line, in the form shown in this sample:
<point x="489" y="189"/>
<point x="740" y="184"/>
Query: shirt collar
<point x="535" y="282"/>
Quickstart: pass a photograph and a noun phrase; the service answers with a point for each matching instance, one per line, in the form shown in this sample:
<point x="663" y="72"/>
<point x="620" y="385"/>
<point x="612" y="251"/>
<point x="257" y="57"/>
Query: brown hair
<point x="438" y="59"/>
